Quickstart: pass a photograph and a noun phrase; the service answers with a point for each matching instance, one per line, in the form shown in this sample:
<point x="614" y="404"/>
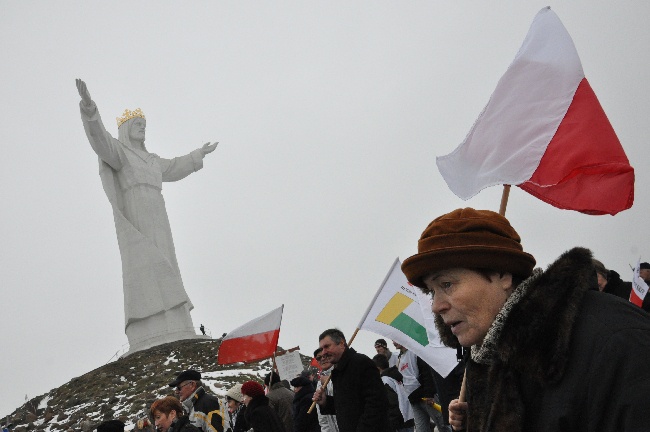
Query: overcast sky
<point x="329" y="115"/>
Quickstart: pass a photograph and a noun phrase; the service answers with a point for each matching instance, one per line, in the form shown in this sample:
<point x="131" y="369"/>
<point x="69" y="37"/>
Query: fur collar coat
<point x="562" y="358"/>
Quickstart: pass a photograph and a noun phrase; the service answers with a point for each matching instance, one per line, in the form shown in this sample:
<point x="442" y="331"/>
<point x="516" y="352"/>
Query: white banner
<point x="289" y="365"/>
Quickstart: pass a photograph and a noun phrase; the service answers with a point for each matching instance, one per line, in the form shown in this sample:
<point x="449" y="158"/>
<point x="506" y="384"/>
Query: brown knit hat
<point x="468" y="238"/>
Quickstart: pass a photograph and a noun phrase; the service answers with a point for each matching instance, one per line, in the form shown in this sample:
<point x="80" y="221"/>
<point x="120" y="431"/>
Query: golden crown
<point x="128" y="115"/>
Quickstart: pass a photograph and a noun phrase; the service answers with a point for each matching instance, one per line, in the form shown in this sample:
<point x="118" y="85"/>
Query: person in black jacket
<point x="359" y="400"/>
<point x="610" y="282"/>
<point x="304" y="392"/>
<point x="167" y="415"/>
<point x="392" y="380"/>
<point x="107" y="426"/>
<point x="259" y="414"/>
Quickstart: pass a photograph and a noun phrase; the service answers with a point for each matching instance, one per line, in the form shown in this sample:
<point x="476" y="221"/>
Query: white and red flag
<point x="255" y="340"/>
<point x="544" y="130"/>
<point x="639" y="287"/>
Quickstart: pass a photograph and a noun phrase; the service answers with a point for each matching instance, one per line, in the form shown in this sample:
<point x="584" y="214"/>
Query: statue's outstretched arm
<point x="208" y="148"/>
<point x="180" y="167"/>
<point x="100" y="140"/>
<point x="83" y="92"/>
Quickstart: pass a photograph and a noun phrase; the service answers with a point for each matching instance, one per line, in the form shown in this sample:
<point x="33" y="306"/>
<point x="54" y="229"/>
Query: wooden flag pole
<point x="502" y="212"/>
<point x="461" y="397"/>
<point x="504" y="200"/>
<point x="329" y="377"/>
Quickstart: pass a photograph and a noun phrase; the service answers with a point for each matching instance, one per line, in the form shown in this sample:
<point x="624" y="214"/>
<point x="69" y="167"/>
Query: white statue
<point x="156" y="306"/>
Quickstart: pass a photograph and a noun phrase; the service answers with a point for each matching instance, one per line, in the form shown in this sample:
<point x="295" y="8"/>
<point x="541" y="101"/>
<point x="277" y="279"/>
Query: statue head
<point x="131" y="127"/>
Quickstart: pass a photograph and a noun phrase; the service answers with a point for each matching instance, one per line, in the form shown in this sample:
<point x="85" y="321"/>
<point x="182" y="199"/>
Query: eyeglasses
<point x="319" y="358"/>
<point x="178" y="388"/>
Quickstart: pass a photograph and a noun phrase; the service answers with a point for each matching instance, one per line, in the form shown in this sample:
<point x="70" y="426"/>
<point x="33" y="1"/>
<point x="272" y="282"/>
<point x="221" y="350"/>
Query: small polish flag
<point x="639" y="287"/>
<point x="255" y="340"/>
<point x="544" y="130"/>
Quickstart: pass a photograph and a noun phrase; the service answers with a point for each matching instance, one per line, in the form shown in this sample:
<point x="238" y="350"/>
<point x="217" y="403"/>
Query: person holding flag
<point x="359" y="400"/>
<point x="547" y="351"/>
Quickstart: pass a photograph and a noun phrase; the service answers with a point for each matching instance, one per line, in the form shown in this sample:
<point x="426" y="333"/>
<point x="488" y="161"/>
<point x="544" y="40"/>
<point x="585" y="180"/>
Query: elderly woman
<point x="547" y="351"/>
<point x="167" y="415"/>
<point x="259" y="414"/>
<point x="236" y="410"/>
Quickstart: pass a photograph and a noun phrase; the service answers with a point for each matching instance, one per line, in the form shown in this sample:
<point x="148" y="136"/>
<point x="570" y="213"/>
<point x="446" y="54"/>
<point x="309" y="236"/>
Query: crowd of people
<point x="560" y="349"/>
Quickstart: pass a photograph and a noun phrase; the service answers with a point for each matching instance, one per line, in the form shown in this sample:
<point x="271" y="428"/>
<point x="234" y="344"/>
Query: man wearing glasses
<point x="204" y="409"/>
<point x="327" y="421"/>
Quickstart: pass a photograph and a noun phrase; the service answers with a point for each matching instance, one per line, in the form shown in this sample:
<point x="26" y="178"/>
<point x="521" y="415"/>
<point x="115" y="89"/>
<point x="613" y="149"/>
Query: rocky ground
<point x="125" y="388"/>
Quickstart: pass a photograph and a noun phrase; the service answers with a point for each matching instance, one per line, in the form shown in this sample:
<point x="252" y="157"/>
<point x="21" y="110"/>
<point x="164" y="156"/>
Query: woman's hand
<point x="458" y="415"/>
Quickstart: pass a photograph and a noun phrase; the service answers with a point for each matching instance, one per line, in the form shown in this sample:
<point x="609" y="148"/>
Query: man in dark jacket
<point x="303" y="421"/>
<point x="610" y="282"/>
<point x="359" y="400"/>
<point x="281" y="399"/>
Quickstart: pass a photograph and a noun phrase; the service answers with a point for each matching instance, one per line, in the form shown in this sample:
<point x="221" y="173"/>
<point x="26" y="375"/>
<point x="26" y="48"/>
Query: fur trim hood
<point x="537" y="331"/>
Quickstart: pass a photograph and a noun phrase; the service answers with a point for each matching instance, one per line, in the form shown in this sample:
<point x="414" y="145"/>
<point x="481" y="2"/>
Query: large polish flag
<point x="639" y="287"/>
<point x="544" y="130"/>
<point x="255" y="340"/>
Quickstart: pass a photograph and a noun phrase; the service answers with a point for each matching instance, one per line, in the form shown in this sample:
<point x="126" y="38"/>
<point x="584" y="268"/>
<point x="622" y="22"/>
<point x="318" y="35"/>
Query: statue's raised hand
<point x="83" y="92"/>
<point x="208" y="148"/>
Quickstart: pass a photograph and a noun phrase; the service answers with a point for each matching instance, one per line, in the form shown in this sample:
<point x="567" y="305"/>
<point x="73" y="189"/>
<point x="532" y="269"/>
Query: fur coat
<point x="565" y="357"/>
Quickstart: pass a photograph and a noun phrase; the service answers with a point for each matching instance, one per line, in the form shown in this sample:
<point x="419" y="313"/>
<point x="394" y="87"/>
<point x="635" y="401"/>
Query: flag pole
<point x="461" y="397"/>
<point x="504" y="200"/>
<point x="327" y="380"/>
<point x="502" y="212"/>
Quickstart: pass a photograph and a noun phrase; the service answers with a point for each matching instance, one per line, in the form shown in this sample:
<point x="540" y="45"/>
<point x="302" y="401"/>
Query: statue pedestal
<point x="164" y="327"/>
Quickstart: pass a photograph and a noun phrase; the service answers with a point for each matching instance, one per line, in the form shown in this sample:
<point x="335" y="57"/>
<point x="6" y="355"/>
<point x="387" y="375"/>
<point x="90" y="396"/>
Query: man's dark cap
<point x="273" y="377"/>
<point x="300" y="381"/>
<point x="381" y="342"/>
<point x="188" y="375"/>
<point x="644" y="266"/>
<point x="111" y="426"/>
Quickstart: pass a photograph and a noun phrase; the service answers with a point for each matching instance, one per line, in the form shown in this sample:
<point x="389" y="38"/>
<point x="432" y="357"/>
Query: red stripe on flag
<point x="634" y="298"/>
<point x="584" y="167"/>
<point x="248" y="348"/>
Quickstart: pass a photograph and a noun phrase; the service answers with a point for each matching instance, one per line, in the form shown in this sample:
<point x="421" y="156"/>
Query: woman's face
<point x="232" y="405"/>
<point x="247" y="399"/>
<point x="602" y="281"/>
<point x="162" y="421"/>
<point x="468" y="301"/>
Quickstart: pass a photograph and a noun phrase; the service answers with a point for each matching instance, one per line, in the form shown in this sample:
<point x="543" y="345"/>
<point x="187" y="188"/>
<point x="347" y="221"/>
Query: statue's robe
<point x="156" y="306"/>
